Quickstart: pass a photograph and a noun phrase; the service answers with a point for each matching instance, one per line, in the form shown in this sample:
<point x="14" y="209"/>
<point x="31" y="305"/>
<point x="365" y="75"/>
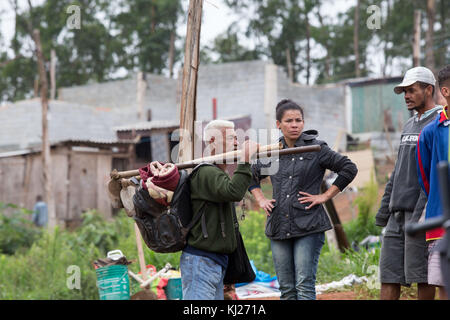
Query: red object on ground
<point x="160" y="289"/>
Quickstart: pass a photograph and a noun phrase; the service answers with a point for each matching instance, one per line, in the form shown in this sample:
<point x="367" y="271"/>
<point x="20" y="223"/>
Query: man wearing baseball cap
<point x="403" y="258"/>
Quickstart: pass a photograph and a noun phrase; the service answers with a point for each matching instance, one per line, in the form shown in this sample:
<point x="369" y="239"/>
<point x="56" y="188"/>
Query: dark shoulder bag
<point x="239" y="269"/>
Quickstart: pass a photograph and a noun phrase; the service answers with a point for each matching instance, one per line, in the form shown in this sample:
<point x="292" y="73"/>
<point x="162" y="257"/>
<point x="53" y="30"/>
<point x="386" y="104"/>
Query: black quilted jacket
<point x="301" y="172"/>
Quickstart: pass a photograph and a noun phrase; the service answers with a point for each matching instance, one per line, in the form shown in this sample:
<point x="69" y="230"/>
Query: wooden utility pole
<point x="416" y="40"/>
<point x="429" y="53"/>
<point x="356" y="39"/>
<point x="341" y="237"/>
<point x="189" y="84"/>
<point x="46" y="159"/>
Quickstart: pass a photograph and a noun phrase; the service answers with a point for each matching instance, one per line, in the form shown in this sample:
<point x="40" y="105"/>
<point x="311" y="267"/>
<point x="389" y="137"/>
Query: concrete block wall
<point x="241" y="88"/>
<point x="238" y="88"/>
<point x="324" y="107"/>
<point x="160" y="95"/>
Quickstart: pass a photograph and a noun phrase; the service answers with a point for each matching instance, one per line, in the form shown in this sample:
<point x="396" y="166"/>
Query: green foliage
<point x="334" y="265"/>
<point x="290" y="24"/>
<point x="228" y="48"/>
<point x="16" y="229"/>
<point x="113" y="34"/>
<point x="364" y="225"/>
<point x="41" y="271"/>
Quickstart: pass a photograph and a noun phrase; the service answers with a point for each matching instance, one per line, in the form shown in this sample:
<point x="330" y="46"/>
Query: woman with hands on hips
<point x="296" y="220"/>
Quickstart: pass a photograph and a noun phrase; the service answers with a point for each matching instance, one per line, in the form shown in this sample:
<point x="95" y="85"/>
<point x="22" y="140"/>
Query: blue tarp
<point x="262" y="278"/>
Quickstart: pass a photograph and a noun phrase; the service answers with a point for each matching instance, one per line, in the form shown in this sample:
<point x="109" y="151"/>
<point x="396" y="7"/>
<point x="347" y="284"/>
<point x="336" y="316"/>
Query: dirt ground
<point x="345" y="295"/>
<point x="354" y="295"/>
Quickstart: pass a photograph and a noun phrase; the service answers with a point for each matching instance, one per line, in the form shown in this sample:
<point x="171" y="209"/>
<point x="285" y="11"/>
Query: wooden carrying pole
<point x="189" y="83"/>
<point x="115" y="175"/>
<point x="140" y="252"/>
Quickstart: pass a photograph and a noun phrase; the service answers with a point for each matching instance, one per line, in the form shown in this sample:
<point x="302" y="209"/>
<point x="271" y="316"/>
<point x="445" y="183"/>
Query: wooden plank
<point x="83" y="184"/>
<point x="12" y="173"/>
<point x="59" y="182"/>
<point x="366" y="166"/>
<point x="140" y="252"/>
<point x="189" y="84"/>
<point x="104" y="163"/>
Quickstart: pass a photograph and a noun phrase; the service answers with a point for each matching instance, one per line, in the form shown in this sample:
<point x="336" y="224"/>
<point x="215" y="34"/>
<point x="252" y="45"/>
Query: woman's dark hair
<point x="284" y="105"/>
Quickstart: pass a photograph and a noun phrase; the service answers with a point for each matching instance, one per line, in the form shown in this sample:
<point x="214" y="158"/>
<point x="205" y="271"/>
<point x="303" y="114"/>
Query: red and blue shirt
<point x="433" y="148"/>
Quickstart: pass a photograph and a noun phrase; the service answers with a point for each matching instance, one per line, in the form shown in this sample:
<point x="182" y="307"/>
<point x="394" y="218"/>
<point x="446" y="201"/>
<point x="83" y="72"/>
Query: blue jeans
<point x="296" y="262"/>
<point x="201" y="278"/>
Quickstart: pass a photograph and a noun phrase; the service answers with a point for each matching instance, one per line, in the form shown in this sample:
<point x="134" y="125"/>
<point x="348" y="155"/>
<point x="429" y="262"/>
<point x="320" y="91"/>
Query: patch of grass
<point x="41" y="272"/>
<point x="38" y="270"/>
<point x="17" y="232"/>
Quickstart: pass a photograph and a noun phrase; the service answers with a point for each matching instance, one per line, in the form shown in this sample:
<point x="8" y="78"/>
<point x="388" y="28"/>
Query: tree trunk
<point x="46" y="158"/>
<point x="356" y="39"/>
<point x="416" y="40"/>
<point x="386" y="39"/>
<point x="429" y="54"/>
<point x="443" y="51"/>
<point x="171" y="52"/>
<point x="53" y="75"/>
<point x="289" y="65"/>
<point x="308" y="50"/>
<point x="189" y="85"/>
<point x="153" y="15"/>
<point x="327" y="47"/>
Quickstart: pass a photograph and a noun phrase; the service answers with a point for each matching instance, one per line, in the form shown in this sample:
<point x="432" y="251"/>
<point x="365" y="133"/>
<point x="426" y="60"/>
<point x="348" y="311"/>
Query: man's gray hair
<point x="214" y="126"/>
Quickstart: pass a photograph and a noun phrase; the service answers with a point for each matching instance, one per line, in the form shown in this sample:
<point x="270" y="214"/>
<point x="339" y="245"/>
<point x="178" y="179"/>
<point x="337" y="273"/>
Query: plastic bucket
<point x="173" y="289"/>
<point x="113" y="282"/>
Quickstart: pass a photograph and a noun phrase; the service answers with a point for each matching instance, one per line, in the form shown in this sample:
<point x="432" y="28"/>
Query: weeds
<point x="37" y="268"/>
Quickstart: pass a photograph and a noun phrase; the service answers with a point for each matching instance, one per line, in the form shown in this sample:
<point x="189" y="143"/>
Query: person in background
<point x="403" y="258"/>
<point x="432" y="148"/>
<point x="40" y="213"/>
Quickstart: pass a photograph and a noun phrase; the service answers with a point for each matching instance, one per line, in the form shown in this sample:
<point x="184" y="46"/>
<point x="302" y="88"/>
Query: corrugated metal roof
<point x="162" y="124"/>
<point x="149" y="125"/>
<point x="21" y="123"/>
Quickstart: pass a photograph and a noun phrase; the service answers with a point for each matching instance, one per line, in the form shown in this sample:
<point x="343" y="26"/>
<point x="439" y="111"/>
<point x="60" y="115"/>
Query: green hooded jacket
<point x="215" y="186"/>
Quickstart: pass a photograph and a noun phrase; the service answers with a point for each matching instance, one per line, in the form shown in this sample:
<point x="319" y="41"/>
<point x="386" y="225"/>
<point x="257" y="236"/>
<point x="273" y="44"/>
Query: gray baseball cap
<point x="413" y="75"/>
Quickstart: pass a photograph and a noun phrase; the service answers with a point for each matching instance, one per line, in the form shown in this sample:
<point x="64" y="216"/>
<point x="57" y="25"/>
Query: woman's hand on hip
<point x="313" y="199"/>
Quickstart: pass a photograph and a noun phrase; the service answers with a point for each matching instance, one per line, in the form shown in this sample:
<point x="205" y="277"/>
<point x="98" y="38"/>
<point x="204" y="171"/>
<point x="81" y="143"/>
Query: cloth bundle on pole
<point x="161" y="180"/>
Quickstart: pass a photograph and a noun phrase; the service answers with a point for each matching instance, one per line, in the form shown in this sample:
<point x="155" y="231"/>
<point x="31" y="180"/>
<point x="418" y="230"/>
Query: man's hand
<point x="267" y="205"/>
<point x="249" y="148"/>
